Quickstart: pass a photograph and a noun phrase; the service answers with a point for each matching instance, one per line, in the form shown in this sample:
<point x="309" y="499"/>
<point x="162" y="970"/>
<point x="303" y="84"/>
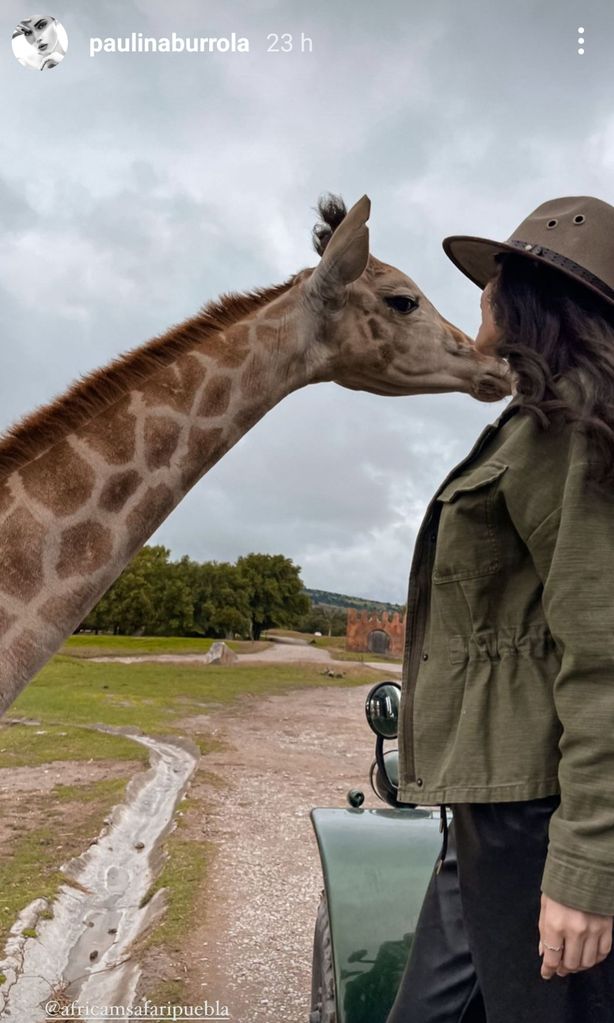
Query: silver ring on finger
<point x="552" y="948"/>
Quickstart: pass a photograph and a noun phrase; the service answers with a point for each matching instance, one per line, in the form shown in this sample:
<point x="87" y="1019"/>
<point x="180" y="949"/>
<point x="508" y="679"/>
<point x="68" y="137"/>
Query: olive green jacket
<point x="508" y="675"/>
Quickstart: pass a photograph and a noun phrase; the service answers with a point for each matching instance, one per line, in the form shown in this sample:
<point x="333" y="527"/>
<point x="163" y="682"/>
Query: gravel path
<point x="285" y="754"/>
<point x="280" y="653"/>
<point x="277" y="653"/>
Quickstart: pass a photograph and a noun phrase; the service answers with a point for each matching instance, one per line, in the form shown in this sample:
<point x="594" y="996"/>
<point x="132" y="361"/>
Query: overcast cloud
<point x="134" y="187"/>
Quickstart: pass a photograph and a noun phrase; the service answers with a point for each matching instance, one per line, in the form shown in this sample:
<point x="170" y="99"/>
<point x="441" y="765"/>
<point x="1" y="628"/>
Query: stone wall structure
<point x="370" y="632"/>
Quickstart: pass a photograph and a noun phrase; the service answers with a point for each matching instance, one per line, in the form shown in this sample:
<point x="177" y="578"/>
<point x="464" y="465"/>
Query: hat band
<point x="567" y="264"/>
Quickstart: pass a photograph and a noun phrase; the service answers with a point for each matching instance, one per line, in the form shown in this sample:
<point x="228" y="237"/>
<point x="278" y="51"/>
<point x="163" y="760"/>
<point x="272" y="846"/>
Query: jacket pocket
<point x="469" y="545"/>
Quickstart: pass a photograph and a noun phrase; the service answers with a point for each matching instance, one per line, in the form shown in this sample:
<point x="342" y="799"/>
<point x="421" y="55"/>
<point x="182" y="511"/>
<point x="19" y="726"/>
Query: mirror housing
<point x="382" y="709"/>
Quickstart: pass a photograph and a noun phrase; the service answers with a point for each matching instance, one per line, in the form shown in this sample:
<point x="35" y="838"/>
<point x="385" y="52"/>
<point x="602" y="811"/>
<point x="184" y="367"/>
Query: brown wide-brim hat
<point x="575" y="234"/>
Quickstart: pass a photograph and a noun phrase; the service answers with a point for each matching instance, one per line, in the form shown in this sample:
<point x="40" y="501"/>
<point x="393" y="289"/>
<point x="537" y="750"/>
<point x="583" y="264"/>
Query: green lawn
<point x="21" y="746"/>
<point x="90" y="645"/>
<point x="151" y="696"/>
<point x="361" y="658"/>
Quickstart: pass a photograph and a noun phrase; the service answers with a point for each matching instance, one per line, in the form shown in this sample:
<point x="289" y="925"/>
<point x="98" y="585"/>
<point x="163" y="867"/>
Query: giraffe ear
<point x="347" y="253"/>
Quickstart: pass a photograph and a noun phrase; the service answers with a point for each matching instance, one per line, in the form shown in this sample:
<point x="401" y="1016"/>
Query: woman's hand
<point x="586" y="938"/>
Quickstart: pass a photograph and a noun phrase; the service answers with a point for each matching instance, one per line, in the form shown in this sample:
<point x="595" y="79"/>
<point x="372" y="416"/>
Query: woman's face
<point x="41" y="34"/>
<point x="488" y="334"/>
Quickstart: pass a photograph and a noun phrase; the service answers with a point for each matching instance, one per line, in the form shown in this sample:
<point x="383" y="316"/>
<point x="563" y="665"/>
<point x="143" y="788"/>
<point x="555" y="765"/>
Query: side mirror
<point x="382" y="709"/>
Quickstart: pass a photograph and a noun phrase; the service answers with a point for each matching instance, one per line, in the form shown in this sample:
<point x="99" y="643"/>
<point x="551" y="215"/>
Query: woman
<point x="37" y="44"/>
<point x="507" y="707"/>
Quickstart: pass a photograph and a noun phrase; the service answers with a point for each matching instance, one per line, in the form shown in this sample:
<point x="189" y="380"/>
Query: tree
<point x="149" y="596"/>
<point x="274" y="589"/>
<point x="219" y="597"/>
<point x="158" y="597"/>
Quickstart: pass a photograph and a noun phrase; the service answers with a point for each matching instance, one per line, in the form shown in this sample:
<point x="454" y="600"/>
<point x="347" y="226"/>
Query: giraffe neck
<point x="72" y="518"/>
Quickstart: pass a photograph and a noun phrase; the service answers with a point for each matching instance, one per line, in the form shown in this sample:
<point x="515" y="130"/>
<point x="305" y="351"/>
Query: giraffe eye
<point x="401" y="303"/>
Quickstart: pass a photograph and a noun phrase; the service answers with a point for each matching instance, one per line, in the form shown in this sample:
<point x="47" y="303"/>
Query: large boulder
<point x="219" y="653"/>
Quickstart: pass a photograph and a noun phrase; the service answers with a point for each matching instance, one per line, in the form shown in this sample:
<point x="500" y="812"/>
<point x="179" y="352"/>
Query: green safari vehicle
<point x="376" y="866"/>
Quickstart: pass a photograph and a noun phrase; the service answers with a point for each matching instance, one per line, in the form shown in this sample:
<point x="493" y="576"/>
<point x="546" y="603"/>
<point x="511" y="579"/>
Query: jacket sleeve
<point x="573" y="551"/>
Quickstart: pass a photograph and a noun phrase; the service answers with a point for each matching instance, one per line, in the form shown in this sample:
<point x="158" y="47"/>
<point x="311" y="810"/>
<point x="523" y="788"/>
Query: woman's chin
<point x="485" y="344"/>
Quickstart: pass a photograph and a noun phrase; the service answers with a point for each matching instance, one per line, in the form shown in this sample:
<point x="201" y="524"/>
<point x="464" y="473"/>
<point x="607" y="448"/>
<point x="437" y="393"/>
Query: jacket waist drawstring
<point x="443" y="826"/>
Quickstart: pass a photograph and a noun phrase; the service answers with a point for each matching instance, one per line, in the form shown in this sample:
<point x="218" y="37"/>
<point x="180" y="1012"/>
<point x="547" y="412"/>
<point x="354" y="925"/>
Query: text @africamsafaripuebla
<point x="211" y="1011"/>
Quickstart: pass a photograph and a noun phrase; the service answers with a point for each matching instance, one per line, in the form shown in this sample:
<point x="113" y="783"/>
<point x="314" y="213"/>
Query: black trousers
<point x="475" y="958"/>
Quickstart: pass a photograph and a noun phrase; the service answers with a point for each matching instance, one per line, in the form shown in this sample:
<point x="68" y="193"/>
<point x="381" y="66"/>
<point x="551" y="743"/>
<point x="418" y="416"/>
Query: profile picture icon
<point x="40" y="43"/>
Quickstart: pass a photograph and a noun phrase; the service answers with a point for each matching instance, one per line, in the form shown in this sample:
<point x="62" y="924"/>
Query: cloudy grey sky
<point x="134" y="187"/>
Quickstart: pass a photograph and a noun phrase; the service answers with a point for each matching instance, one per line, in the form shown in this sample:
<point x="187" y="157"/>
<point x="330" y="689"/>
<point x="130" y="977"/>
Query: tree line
<point x="156" y="596"/>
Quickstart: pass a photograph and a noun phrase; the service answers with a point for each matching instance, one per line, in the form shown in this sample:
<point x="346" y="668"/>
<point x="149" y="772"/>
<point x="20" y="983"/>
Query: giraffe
<point x="87" y="479"/>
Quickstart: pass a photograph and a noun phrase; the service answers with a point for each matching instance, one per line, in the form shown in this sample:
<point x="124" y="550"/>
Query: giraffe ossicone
<point x="87" y="479"/>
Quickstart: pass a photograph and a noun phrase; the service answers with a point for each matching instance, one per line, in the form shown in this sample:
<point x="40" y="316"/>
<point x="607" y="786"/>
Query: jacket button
<point x="425" y="656"/>
<point x="433" y="537"/>
<point x="419" y="782"/>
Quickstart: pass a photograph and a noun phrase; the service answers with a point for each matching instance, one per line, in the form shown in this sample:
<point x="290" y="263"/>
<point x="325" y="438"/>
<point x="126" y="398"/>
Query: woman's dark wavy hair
<point x="552" y="326"/>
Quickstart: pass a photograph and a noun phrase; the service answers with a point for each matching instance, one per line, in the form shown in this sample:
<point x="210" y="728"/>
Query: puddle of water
<point x="84" y="950"/>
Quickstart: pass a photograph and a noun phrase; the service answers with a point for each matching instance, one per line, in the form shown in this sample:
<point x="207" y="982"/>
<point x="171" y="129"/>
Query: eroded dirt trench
<point x="284" y="755"/>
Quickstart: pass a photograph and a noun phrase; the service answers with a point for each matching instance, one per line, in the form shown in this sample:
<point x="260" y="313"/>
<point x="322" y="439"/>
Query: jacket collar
<point x="509" y="410"/>
<point x="562" y="383"/>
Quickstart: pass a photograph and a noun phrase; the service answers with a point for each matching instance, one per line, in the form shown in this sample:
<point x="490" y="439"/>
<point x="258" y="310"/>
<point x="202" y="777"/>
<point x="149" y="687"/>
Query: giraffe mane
<point x="33" y="434"/>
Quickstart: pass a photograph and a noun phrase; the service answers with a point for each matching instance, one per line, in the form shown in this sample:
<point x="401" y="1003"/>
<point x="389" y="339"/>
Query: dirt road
<point x="280" y="653"/>
<point x="277" y="653"/>
<point x="285" y="754"/>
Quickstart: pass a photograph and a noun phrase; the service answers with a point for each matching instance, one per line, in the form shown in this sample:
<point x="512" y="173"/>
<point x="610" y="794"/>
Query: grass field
<point x="153" y="697"/>
<point x="90" y="645"/>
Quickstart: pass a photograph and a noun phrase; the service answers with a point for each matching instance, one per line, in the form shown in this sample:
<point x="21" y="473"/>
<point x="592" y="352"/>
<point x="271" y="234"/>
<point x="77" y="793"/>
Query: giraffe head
<point x="373" y="329"/>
